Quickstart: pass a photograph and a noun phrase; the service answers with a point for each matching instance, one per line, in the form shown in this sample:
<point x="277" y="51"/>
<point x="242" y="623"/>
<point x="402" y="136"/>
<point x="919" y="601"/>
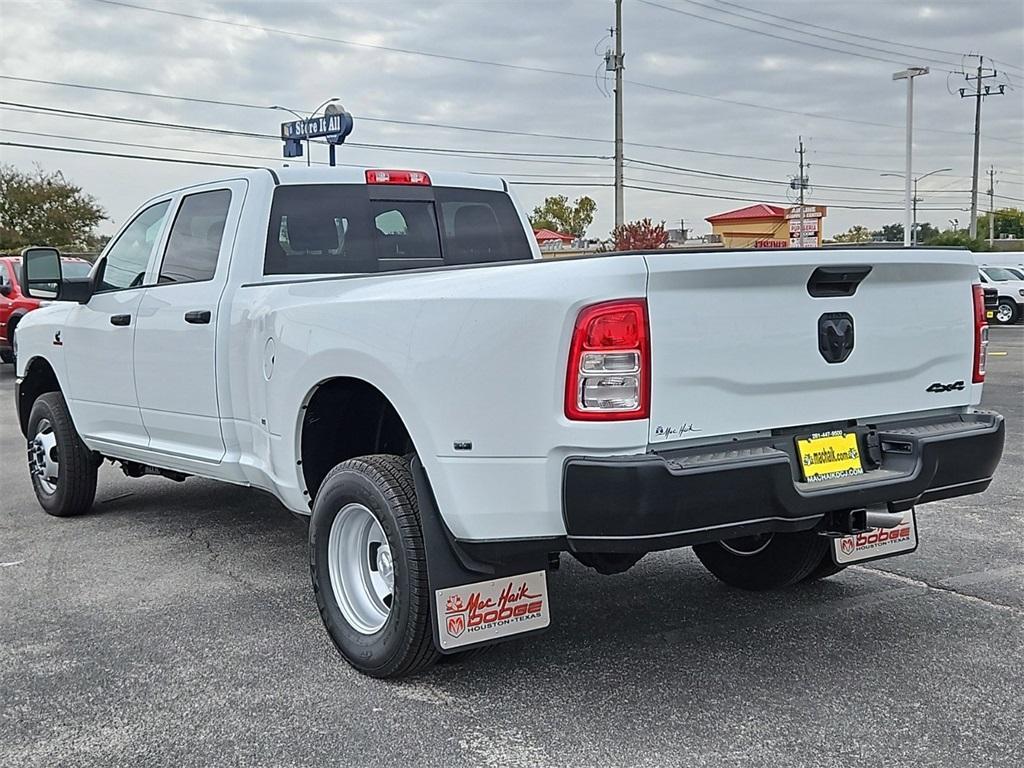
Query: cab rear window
<point x="345" y="229"/>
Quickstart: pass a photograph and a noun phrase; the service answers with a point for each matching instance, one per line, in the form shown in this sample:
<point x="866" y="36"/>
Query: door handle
<point x="198" y="316"/>
<point x="120" y="319"/>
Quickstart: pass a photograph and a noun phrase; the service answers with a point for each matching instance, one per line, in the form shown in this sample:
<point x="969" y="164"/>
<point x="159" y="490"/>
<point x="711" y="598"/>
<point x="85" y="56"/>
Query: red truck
<point x="14" y="303"/>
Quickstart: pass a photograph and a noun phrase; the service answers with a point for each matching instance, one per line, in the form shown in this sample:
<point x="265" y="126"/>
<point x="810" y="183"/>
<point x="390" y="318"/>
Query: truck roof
<point x="301" y="174"/>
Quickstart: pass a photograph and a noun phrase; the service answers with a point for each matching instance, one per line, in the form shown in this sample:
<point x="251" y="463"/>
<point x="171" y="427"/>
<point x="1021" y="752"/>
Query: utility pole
<point x="618" y="115"/>
<point x="980" y="92"/>
<point x="803" y="183"/>
<point x="991" y="204"/>
<point x="909" y="74"/>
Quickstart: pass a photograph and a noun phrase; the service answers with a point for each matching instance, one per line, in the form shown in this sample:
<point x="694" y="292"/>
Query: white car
<point x="1010" y="285"/>
<point x="386" y="353"/>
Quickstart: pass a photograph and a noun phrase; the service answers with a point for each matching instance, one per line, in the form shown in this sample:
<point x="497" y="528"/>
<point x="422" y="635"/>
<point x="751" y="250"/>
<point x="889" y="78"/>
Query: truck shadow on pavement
<point x="667" y="610"/>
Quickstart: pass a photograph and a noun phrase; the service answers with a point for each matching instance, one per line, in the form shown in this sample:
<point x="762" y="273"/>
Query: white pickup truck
<point x="386" y="352"/>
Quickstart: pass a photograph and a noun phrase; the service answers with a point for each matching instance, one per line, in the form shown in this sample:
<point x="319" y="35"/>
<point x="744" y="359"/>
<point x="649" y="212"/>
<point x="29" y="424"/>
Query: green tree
<point x="44" y="208"/>
<point x="890" y="233"/>
<point x="559" y="215"/>
<point x="857" y="234"/>
<point x="1009" y="221"/>
<point x="926" y="232"/>
<point x="959" y="237"/>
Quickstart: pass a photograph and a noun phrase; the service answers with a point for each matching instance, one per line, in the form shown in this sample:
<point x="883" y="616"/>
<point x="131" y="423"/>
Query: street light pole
<point x="909" y="74"/>
<point x="913" y="221"/>
<point x="915" y="200"/>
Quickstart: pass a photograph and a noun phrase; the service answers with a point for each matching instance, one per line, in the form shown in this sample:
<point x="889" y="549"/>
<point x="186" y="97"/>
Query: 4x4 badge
<point x="940" y="387"/>
<point x="56" y="340"/>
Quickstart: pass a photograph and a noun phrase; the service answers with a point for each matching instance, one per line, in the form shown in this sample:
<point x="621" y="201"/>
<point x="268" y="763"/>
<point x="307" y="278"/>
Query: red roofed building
<point x="548" y="239"/>
<point x="767" y="226"/>
<point x="756" y="226"/>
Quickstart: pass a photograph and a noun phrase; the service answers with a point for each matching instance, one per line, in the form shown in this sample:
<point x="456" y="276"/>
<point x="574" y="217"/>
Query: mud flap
<point x="476" y="603"/>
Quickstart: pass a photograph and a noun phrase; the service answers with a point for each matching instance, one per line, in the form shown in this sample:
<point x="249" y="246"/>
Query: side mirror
<point x="41" y="268"/>
<point x="44" y="278"/>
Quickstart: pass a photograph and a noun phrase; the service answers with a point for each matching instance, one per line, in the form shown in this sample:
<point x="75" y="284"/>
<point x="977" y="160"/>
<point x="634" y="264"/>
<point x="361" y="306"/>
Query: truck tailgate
<point x="735" y="338"/>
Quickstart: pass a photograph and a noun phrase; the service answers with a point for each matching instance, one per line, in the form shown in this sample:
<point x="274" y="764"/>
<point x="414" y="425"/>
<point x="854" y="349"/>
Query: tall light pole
<point x="914" y="202"/>
<point x="307" y="117"/>
<point x="909" y="74"/>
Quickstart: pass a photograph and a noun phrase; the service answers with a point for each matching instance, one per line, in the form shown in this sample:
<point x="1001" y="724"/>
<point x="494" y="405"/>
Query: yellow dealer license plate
<point x="828" y="455"/>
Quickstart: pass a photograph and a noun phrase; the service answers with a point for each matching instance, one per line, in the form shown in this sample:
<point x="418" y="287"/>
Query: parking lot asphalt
<point x="175" y="626"/>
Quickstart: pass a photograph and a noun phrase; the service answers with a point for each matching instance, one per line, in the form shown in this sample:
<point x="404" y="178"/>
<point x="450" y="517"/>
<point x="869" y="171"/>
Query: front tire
<point x="369" y="569"/>
<point x="63" y="470"/>
<point x="7" y="356"/>
<point x="1006" y="312"/>
<point x="768" y="561"/>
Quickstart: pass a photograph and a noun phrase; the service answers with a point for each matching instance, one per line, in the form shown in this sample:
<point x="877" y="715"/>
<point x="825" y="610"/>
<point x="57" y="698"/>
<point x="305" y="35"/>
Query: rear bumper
<point x="690" y="496"/>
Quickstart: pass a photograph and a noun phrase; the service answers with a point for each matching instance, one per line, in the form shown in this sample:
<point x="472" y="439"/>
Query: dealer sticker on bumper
<point x="474" y="613"/>
<point x="876" y="543"/>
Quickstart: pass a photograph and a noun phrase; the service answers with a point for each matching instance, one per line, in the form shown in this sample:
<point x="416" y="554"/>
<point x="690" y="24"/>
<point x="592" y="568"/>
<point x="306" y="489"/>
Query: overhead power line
<point x="569" y="179"/>
<point x="443" y="151"/>
<point x="182" y="161"/>
<point x="802" y="23"/>
<point x="112" y="142"/>
<point x="779" y="202"/>
<point x="452" y="152"/>
<point x="588" y="184"/>
<point x="889" y="59"/>
<point x="544" y="158"/>
<point x="264" y="107"/>
<point x="449" y="126"/>
<point x="506" y="65"/>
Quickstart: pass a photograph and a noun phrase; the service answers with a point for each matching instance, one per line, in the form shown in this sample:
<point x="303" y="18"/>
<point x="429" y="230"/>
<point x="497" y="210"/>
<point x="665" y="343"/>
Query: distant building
<point x="768" y="226"/>
<point x="552" y="241"/>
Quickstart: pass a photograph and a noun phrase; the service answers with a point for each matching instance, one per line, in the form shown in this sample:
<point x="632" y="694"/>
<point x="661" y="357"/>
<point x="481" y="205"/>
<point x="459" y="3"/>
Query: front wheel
<point x="369" y="569"/>
<point x="1006" y="312"/>
<point x="765" y="561"/>
<point x="7" y="356"/>
<point x="63" y="469"/>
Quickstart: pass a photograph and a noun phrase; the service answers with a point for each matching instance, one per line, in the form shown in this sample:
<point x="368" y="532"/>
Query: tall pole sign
<point x="334" y="125"/>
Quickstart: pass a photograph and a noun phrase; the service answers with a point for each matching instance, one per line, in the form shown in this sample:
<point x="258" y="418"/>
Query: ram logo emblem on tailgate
<point x="835" y="336"/>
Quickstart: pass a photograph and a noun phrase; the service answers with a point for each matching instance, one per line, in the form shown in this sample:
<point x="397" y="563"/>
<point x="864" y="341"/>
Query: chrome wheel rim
<point x="1003" y="313"/>
<point x="361" y="568"/>
<point x="43" y="460"/>
<point x="747" y="546"/>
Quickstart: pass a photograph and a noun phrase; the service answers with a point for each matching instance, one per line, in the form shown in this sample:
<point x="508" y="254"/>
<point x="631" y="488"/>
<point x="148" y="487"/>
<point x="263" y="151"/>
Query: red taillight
<point x="398" y="177"/>
<point x="980" y="335"/>
<point x="609" y="373"/>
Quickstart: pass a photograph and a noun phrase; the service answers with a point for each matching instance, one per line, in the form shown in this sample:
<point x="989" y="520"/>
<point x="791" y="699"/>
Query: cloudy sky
<point x="717" y="90"/>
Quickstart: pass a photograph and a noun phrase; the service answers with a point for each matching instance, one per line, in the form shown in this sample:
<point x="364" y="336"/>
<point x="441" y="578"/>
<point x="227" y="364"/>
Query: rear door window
<point x="319" y="229"/>
<point x="480" y="227"/>
<point x="194" y="242"/>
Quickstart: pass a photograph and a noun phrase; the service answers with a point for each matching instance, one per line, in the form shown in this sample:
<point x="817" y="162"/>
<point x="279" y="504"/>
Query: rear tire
<point x="1007" y="312"/>
<point x="825" y="568"/>
<point x="758" y="563"/>
<point x="6" y="356"/>
<point x="369" y="568"/>
<point x="63" y="470"/>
